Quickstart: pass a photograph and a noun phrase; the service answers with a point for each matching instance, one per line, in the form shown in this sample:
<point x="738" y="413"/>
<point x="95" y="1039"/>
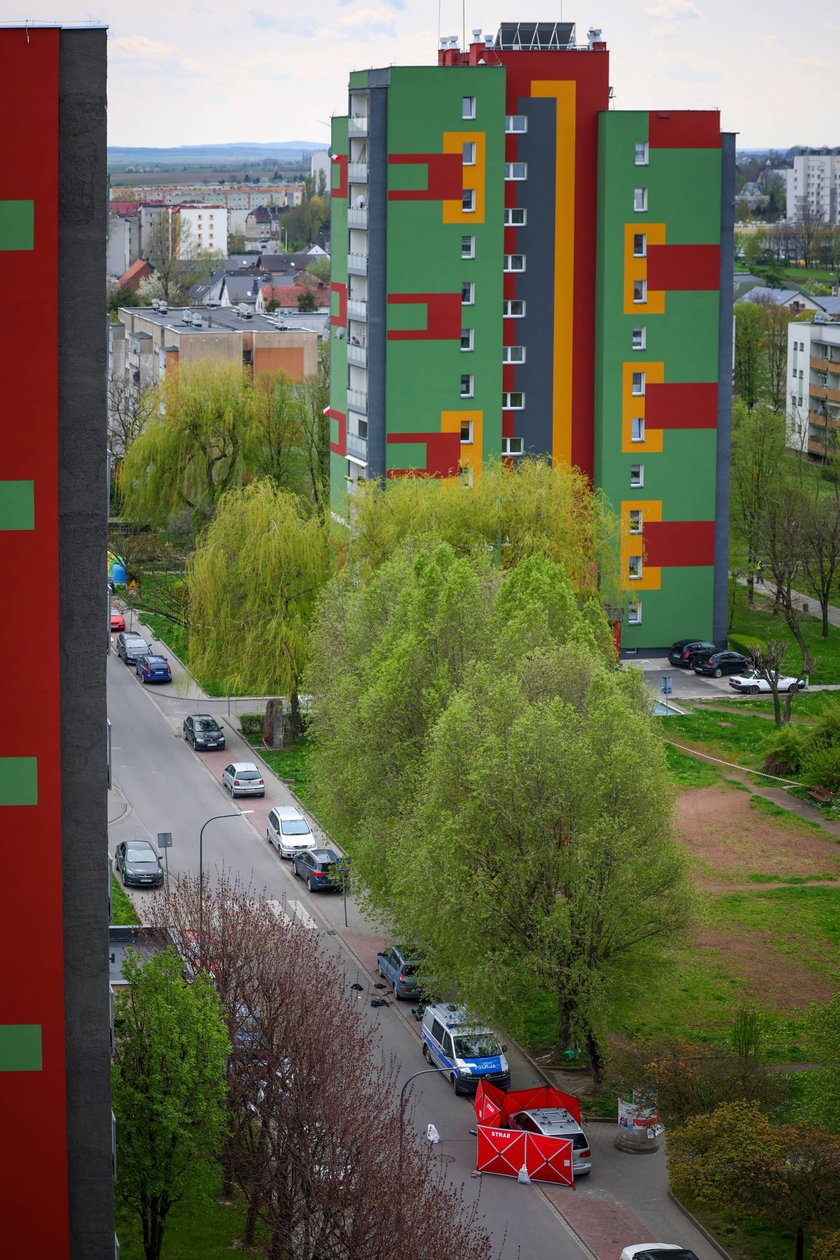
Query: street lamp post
<point x="423" y="1072"/>
<point x="239" y="813"/>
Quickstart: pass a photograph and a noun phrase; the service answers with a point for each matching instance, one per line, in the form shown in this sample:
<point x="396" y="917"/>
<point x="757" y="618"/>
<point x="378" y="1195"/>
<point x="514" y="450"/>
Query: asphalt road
<point x="168" y="787"/>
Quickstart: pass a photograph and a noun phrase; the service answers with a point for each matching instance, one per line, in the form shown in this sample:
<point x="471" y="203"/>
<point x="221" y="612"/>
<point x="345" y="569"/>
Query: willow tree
<point x="253" y="580"/>
<point x="509" y="513"/>
<point x="191" y="451"/>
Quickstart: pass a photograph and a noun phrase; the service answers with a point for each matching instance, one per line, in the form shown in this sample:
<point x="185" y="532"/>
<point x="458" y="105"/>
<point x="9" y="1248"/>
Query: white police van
<point x="468" y="1052"/>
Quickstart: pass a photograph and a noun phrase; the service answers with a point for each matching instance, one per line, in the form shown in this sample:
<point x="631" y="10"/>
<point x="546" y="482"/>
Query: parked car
<point x="685" y="651"/>
<point x="117" y="620"/>
<point x="288" y="831"/>
<point x="203" y="731"/>
<point x="131" y="646"/>
<point x="720" y="663"/>
<point x="469" y="1052"/>
<point x="558" y="1122"/>
<point x="138" y="864"/>
<point x="153" y="669"/>
<point x="752" y="683"/>
<point x="321" y="868"/>
<point x="242" y="778"/>
<point x="657" y="1251"/>
<point x="399" y="967"/>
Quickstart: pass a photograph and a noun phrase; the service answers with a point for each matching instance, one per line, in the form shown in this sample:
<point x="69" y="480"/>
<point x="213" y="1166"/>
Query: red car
<point x="117" y="620"/>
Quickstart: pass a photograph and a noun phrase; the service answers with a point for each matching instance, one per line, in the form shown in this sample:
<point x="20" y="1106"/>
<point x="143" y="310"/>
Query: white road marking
<point x="298" y="910"/>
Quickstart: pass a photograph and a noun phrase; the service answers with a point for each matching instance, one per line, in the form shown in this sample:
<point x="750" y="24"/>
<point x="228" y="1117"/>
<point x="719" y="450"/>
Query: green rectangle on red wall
<point x="17" y="505"/>
<point x="20" y="1048"/>
<point x="17" y="225"/>
<point x="18" y="781"/>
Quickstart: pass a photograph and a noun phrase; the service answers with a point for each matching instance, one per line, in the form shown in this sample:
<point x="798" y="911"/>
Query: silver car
<point x="242" y="778"/>
<point x="288" y="831"/>
<point x="558" y="1122"/>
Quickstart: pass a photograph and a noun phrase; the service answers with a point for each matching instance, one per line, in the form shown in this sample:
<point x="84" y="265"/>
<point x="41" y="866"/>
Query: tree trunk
<point x="800" y="1243"/>
<point x="596" y="1058"/>
<point x="251" y="1219"/>
<point x="824" y="611"/>
<point x="295" y="717"/>
<point x="274" y="725"/>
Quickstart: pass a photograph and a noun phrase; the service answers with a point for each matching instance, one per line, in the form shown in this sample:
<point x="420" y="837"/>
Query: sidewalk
<point x="625" y="1199"/>
<point x="805" y="603"/>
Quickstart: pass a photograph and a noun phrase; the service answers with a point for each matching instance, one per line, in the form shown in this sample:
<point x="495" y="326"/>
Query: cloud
<point x="670" y="9"/>
<point x="815" y="63"/>
<point x="300" y="27"/>
<point x="688" y="67"/>
<point x="665" y="28"/>
<point x="364" y="22"/>
<point x="137" y="48"/>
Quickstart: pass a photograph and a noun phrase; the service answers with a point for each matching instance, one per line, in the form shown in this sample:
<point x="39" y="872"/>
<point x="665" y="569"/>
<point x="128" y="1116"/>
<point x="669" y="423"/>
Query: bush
<point x="251" y="723"/>
<point x="823" y="767"/>
<point x="746" y="644"/>
<point x="787" y="751"/>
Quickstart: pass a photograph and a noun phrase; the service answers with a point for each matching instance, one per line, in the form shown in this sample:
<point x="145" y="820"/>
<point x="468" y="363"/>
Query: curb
<point x="710" y="1238"/>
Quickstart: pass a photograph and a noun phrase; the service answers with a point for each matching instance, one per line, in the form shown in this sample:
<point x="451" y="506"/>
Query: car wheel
<point x="309" y="883"/>
<point x="718" y="673"/>
<point x="754" y="691"/>
<point x="397" y="994"/>
<point x="295" y="870"/>
<point x="426" y="1054"/>
<point x="454" y="1083"/>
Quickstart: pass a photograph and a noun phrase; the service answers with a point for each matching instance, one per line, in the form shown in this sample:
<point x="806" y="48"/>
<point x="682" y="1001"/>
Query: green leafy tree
<point x="758" y="452"/>
<point x="253" y="580"/>
<point x="314" y="396"/>
<point x="168" y="1088"/>
<point x="320" y="268"/>
<point x="750" y="356"/>
<point x="275" y="432"/>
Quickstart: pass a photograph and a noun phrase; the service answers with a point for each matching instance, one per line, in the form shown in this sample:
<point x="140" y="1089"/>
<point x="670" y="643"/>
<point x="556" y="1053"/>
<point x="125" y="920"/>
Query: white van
<point x="468" y="1052"/>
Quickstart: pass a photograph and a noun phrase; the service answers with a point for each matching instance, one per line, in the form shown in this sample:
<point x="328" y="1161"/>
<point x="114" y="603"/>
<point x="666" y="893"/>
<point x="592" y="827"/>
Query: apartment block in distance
<point x="520" y="270"/>
<point x="813" y="408"/>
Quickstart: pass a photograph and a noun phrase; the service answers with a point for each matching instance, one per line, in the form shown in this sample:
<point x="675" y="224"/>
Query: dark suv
<point x="131" y="647"/>
<point x="322" y="869"/>
<point x="689" y="652"/>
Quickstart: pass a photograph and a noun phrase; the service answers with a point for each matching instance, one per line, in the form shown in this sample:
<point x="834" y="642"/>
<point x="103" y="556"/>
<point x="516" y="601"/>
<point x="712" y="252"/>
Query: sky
<point x="220" y="71"/>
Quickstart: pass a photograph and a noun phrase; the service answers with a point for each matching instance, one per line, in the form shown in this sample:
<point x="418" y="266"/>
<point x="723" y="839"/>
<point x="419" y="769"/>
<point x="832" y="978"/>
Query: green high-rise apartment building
<point x="518" y="269"/>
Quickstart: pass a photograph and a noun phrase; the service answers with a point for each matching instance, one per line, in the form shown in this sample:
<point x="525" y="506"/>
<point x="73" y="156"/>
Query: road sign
<point x="164" y="839"/>
<point x="666" y="684"/>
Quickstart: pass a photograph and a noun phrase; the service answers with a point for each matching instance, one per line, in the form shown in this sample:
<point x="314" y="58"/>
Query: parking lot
<point x="685" y="684"/>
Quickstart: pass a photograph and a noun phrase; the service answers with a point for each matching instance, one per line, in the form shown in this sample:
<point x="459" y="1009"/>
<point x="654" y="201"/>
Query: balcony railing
<point x="356" y="354"/>
<point x="357" y="172"/>
<point x="823" y="391"/>
<point x="357" y="125"/>
<point x="357" y="446"/>
<point x="357" y="264"/>
<point x="357" y="218"/>
<point x="357" y="309"/>
<point x="357" y="398"/>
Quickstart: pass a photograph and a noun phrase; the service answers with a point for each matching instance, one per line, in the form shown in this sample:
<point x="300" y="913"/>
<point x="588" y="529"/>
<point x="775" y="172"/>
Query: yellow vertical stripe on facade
<point x="634" y="545"/>
<point x="565" y="97"/>
<point x="472" y="453"/>
<point x="474" y="176"/>
<point x="635" y="268"/>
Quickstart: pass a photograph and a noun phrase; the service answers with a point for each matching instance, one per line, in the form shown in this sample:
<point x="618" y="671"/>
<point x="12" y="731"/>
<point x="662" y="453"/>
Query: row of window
<point x="510" y="354"/>
<point x="513" y="400"/>
<point x="513" y="122"/>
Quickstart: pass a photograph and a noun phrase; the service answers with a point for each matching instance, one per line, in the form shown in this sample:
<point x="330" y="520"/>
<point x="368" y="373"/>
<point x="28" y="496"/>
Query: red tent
<point x="505" y="1151"/>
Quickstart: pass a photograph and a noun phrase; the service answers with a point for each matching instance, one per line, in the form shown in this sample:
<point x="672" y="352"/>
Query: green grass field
<point x="122" y="911"/>
<point x="757" y="621"/>
<point x="741" y="738"/>
<point x="290" y="763"/>
<point x="202" y="1229"/>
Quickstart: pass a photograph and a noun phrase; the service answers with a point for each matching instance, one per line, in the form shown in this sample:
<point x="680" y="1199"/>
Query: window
<point x="638" y="428"/>
<point x="514" y="262"/>
<point x="635" y="521"/>
<point x="634" y="566"/>
<point x="466" y="432"/>
<point x="468" y="201"/>
<point x="516" y="122"/>
<point x="640" y="199"/>
<point x="637" y="474"/>
<point x="639" y="244"/>
<point x="467" y="385"/>
<point x="516" y="170"/>
<point x="514" y="401"/>
<point x="514" y="308"/>
<point x="640" y="290"/>
<point x="634" y="614"/>
<point x="468" y="293"/>
<point x="468" y="247"/>
<point x="515" y="216"/>
<point x="468" y="154"/>
<point x="467" y="338"/>
<point x="468" y="107"/>
<point x="638" y="383"/>
<point x="639" y="338"/>
<point x="513" y="354"/>
<point x="642" y="153"/>
<point x="512" y="446"/>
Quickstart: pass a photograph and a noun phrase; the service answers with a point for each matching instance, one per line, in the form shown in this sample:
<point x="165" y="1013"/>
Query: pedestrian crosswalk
<point x="292" y="912"/>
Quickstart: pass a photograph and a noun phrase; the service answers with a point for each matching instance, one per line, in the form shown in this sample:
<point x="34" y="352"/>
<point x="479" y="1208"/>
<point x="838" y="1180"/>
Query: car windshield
<point x="294" y="827"/>
<point x="141" y="856"/>
<point x="476" y="1045"/>
<point x="410" y="969"/>
<point x="206" y="724"/>
<point x="248" y="774"/>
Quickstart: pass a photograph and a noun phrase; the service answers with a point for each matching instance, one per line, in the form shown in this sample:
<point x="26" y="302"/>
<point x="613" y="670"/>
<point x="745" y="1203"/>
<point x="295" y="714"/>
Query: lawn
<point x="736" y="737"/>
<point x="757" y="622"/>
<point x="203" y="1228"/>
<point x="290" y="763"/>
<point x="122" y="911"/>
<point x="688" y="771"/>
<point x="806" y="706"/>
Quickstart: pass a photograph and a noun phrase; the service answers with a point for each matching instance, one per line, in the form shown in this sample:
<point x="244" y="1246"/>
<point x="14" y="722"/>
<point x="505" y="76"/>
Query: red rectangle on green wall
<point x="690" y="405"/>
<point x="683" y="268"/>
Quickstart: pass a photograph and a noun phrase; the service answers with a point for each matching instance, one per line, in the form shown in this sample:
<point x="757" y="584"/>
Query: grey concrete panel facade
<point x="82" y="367"/>
<point x="720" y="614"/>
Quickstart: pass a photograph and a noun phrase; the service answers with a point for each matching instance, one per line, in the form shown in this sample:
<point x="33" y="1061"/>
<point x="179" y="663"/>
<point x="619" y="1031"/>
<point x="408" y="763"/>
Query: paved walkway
<point x="808" y="603"/>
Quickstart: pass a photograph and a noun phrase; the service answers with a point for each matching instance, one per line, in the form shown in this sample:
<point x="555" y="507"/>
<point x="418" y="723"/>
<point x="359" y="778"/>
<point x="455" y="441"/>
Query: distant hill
<point x="214" y="154"/>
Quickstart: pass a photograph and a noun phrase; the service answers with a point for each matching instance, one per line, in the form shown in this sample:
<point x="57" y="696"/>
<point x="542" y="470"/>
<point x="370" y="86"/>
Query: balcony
<point x="357" y="399"/>
<point x="823" y="365"/>
<point x="357" y="125"/>
<point x="357" y="309"/>
<point x="357" y="264"/>
<point x="357" y="172"/>
<point x="357" y="446"/>
<point x="824" y="447"/>
<point x="357" y="218"/>
<point x="356" y="354"/>
<point x="823" y="391"/>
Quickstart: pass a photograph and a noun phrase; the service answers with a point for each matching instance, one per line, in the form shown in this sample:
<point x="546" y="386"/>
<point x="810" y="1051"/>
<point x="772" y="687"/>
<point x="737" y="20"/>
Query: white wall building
<point x="813" y="393"/>
<point x="207" y="227"/>
<point x="813" y="188"/>
<point x="123" y="243"/>
<point x="319" y="160"/>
